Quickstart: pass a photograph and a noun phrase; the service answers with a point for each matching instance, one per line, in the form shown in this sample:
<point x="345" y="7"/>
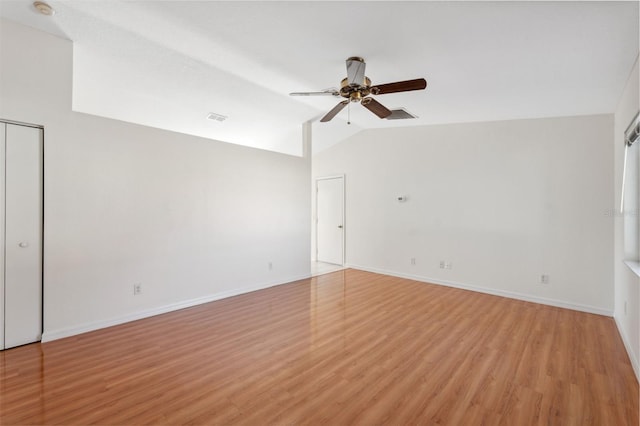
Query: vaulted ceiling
<point x="168" y="64"/>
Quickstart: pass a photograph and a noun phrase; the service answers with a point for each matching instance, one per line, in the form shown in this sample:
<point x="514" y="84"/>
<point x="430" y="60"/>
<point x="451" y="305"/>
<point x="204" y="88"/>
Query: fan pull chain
<point x="349" y="113"/>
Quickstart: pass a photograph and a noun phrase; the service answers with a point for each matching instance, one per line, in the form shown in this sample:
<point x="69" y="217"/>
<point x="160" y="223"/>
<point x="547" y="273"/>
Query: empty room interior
<point x="319" y="212"/>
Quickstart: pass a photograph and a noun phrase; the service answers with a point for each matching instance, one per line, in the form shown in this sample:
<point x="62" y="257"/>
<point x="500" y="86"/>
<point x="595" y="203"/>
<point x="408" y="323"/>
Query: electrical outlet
<point x="413" y="260"/>
<point x="448" y="265"/>
<point x="442" y="264"/>
<point x="137" y="289"/>
<point x="271" y="266"/>
<point x="544" y="279"/>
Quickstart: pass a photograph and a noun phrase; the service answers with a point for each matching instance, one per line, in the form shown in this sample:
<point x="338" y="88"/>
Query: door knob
<point x="23" y="245"/>
<point x="340" y="226"/>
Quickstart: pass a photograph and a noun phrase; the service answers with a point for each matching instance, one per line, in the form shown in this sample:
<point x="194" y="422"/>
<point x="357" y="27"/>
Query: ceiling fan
<point x="357" y="88"/>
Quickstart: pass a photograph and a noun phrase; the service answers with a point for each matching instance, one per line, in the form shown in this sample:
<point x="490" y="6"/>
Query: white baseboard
<point x="48" y="336"/>
<point x="635" y="363"/>
<point x="495" y="292"/>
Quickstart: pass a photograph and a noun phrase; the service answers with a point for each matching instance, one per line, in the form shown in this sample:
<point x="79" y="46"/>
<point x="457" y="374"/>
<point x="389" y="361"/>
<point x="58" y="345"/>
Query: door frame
<point x="344" y="219"/>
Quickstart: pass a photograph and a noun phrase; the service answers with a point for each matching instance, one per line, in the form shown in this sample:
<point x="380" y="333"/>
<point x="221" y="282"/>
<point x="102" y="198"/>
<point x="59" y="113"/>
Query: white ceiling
<point x="167" y="64"/>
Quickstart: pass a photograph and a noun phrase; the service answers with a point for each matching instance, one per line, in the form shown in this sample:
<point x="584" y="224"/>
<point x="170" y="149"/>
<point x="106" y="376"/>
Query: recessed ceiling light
<point x="216" y="117"/>
<point x="44" y="8"/>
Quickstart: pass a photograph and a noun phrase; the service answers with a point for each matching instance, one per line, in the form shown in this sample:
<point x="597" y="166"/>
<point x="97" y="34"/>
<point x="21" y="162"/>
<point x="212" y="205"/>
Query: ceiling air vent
<point x="216" y="117"/>
<point x="400" y="114"/>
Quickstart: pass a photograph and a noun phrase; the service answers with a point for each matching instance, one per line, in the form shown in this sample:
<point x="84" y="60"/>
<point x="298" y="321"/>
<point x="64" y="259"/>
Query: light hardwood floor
<point x="349" y="347"/>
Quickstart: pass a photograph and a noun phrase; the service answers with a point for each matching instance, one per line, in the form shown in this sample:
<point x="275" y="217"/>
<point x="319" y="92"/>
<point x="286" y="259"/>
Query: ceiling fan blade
<point x="399" y="86"/>
<point x="355" y="71"/>
<point x="324" y="93"/>
<point x="336" y="109"/>
<point x="376" y="107"/>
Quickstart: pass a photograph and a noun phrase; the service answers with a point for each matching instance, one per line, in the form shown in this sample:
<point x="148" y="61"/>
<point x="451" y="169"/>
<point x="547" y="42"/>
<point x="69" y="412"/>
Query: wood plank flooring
<point x="349" y="347"/>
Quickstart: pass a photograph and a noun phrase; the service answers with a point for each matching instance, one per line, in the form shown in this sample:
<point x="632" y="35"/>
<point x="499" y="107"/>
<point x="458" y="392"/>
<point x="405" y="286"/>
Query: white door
<point x="22" y="235"/>
<point x="3" y="146"/>
<point x="330" y="220"/>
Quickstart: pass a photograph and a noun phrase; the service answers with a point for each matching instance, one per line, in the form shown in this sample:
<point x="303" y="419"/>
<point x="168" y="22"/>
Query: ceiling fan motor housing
<point x="355" y="92"/>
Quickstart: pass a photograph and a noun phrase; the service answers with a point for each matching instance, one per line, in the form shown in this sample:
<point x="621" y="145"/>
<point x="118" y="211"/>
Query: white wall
<point x="190" y="219"/>
<point x="627" y="284"/>
<point x="503" y="202"/>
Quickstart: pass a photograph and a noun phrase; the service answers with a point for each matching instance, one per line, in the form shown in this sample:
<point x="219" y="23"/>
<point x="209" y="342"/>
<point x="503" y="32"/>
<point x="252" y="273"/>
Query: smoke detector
<point x="44" y="8"/>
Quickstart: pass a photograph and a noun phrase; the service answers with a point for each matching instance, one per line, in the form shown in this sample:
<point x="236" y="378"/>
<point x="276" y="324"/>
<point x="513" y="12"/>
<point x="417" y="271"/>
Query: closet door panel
<point x="3" y="128"/>
<point x="23" y="235"/>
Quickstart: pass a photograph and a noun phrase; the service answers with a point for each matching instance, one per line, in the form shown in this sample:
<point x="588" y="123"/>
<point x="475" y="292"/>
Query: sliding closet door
<point x="23" y="235"/>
